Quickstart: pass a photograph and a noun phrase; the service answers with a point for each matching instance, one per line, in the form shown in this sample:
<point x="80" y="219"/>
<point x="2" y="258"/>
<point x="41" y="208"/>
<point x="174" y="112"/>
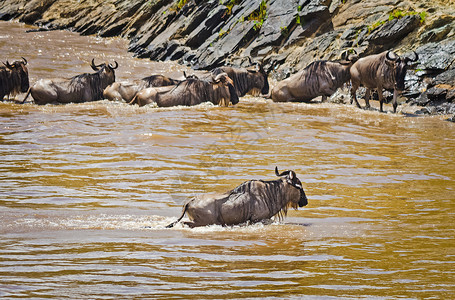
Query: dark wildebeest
<point x="125" y="91"/>
<point x="192" y="91"/>
<point x="320" y="78"/>
<point x="13" y="78"/>
<point x="252" y="201"/>
<point x="250" y="80"/>
<point x="385" y="70"/>
<point x="82" y="88"/>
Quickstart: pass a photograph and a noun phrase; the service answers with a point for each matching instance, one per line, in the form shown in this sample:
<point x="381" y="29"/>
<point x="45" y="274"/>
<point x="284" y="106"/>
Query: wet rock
<point x="311" y="20"/>
<point x="443" y="87"/>
<point x="439" y="29"/>
<point x="436" y="57"/>
<point x="215" y="19"/>
<point x="34" y="10"/>
<point x="391" y="33"/>
<point x="213" y="56"/>
<point x="281" y="17"/>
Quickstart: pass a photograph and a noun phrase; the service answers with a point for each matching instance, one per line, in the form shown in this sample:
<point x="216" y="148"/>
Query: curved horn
<point x="112" y="67"/>
<point x="94" y="67"/>
<point x="282" y="174"/>
<point x="220" y="77"/>
<point x="250" y="60"/>
<point x="416" y="57"/>
<point x="25" y="61"/>
<point x="8" y="65"/>
<point x="344" y="55"/>
<point x="389" y="57"/>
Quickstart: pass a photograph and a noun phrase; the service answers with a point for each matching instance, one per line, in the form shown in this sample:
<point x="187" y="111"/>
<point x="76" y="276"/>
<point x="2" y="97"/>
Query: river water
<point x="86" y="190"/>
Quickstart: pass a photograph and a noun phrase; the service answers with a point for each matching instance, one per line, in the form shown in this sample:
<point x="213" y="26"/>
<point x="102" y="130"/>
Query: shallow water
<point x="86" y="190"/>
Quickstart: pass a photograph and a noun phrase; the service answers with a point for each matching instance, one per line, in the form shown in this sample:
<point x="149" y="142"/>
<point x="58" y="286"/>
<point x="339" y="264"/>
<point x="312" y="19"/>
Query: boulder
<point x="391" y="33"/>
<point x="214" y="20"/>
<point x="281" y="18"/>
<point x="309" y="20"/>
<point x="436" y="57"/>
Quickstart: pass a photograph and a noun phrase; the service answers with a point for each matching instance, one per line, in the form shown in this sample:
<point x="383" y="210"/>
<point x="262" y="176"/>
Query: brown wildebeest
<point x="385" y="70"/>
<point x="192" y="91"/>
<point x="13" y="78"/>
<point x="250" y="80"/>
<point x="320" y="78"/>
<point x="81" y="88"/>
<point x="125" y="91"/>
<point x="252" y="201"/>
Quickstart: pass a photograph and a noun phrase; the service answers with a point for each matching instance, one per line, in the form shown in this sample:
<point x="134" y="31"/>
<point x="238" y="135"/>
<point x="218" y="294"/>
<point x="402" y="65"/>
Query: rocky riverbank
<point x="287" y="35"/>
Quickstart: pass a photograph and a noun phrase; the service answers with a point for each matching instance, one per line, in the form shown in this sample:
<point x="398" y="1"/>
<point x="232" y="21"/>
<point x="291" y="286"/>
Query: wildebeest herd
<point x="252" y="201"/>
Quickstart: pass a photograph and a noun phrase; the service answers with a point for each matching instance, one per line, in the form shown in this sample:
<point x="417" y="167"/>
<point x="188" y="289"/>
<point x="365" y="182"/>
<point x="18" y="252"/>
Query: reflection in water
<point x="86" y="190"/>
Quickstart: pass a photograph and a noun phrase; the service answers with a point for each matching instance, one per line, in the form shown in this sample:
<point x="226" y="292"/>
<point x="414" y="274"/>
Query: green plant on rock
<point x="231" y="5"/>
<point x="259" y="15"/>
<point x="178" y="6"/>
<point x="398" y="14"/>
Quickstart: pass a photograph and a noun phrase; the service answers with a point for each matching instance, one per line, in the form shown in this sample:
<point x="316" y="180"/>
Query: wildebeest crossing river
<point x="87" y="189"/>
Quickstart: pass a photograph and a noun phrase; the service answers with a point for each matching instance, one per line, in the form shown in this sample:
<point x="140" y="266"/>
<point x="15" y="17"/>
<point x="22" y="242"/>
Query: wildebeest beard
<point x="14" y="79"/>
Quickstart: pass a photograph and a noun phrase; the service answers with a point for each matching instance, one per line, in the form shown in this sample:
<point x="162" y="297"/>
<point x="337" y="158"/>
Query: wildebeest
<point x="253" y="79"/>
<point x="192" y="91"/>
<point x="125" y="91"/>
<point x="252" y="201"/>
<point x="13" y="78"/>
<point x="81" y="88"/>
<point x="385" y="70"/>
<point x="320" y="78"/>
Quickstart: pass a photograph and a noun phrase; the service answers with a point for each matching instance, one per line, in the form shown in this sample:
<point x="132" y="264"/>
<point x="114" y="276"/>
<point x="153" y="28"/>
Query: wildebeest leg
<point x="353" y="95"/>
<point x="394" y="101"/>
<point x="381" y="100"/>
<point x="190" y="224"/>
<point x="324" y="98"/>
<point x="367" y="98"/>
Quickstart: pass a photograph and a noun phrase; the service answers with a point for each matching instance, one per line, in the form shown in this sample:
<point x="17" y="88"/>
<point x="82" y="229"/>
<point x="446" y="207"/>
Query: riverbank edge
<point x="161" y="30"/>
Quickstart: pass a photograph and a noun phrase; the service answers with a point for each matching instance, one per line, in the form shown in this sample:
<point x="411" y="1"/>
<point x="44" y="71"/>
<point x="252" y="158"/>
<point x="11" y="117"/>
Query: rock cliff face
<point x="286" y="34"/>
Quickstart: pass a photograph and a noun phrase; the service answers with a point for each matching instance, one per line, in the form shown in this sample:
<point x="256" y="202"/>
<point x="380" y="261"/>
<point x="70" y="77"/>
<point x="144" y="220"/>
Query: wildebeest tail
<point x="181" y="216"/>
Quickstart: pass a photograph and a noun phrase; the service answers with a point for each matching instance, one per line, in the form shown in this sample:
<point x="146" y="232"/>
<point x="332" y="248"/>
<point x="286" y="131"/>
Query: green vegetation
<point x="259" y="15"/>
<point x="231" y="4"/>
<point x="178" y="6"/>
<point x="398" y="14"/>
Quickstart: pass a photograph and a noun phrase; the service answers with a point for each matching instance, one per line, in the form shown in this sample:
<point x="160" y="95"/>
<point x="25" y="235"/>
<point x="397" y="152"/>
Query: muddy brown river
<point x="86" y="190"/>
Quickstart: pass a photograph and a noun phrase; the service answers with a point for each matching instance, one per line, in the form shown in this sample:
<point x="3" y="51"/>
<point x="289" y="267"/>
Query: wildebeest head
<point x="225" y="80"/>
<point x="349" y="57"/>
<point x="399" y="65"/>
<point x="261" y="79"/>
<point x="291" y="178"/>
<point x="19" y="73"/>
<point x="106" y="71"/>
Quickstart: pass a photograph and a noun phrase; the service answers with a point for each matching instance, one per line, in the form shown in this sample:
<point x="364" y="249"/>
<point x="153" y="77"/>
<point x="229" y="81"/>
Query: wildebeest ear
<point x="292" y="175"/>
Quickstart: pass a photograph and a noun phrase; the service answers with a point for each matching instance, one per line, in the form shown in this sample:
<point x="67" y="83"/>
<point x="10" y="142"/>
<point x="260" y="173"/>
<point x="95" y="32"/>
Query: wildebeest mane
<point x="94" y="82"/>
<point x="195" y="88"/>
<point x="242" y="82"/>
<point x="273" y="189"/>
<point x="156" y="81"/>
